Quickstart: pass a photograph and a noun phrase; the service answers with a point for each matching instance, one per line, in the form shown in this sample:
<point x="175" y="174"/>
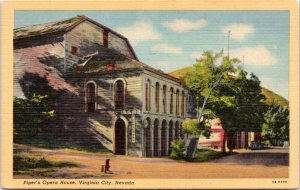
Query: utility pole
<point x="229" y="33"/>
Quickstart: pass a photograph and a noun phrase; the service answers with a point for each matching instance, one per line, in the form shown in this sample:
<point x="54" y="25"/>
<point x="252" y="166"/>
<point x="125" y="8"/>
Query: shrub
<point x="191" y="126"/>
<point x="21" y="162"/>
<point x="177" y="149"/>
<point x="31" y="116"/>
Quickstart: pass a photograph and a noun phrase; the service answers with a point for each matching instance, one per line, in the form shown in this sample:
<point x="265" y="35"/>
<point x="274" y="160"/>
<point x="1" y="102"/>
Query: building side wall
<point x="132" y="90"/>
<point x="45" y="59"/>
<point x="86" y="37"/>
<point x="96" y="129"/>
<point x="119" y="44"/>
<point x="169" y="84"/>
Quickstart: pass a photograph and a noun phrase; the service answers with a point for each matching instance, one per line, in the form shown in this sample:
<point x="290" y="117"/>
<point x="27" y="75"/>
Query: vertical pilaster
<point x="143" y="135"/>
<point x="173" y="132"/>
<point x="167" y="140"/>
<point x="152" y="140"/>
<point x="159" y="140"/>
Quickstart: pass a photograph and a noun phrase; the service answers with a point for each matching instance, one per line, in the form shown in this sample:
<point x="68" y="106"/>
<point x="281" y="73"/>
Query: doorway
<point x="120" y="137"/>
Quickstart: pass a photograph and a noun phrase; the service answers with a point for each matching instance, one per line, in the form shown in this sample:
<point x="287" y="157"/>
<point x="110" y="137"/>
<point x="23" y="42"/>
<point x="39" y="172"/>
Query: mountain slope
<point x="272" y="97"/>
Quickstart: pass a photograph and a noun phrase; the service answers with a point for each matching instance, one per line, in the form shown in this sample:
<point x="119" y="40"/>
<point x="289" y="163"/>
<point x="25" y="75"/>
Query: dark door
<point x="120" y="135"/>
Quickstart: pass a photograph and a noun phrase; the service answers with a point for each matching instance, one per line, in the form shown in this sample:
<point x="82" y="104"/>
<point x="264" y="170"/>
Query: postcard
<point x="150" y="94"/>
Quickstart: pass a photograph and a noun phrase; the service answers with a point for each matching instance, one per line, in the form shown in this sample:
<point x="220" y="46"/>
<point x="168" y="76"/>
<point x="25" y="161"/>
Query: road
<point x="276" y="156"/>
<point x="272" y="163"/>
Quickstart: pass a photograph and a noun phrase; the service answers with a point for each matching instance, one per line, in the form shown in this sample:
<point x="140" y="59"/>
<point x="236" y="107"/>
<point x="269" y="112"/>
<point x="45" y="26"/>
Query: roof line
<point x="158" y="72"/>
<point x="69" y="28"/>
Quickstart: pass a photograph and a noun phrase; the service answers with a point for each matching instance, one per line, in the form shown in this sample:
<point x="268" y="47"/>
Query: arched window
<point x="177" y="102"/>
<point x="157" y="86"/>
<point x="147" y="95"/>
<point x="171" y="100"/>
<point x="119" y="95"/>
<point x="164" y="100"/>
<point x="182" y="103"/>
<point x="90" y="94"/>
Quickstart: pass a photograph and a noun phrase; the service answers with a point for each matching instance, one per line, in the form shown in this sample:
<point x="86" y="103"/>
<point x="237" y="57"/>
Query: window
<point x="119" y="95"/>
<point x="109" y="66"/>
<point x="182" y="103"/>
<point x="147" y="95"/>
<point x="74" y="50"/>
<point x="177" y="102"/>
<point x="90" y="97"/>
<point x="164" y="99"/>
<point x="157" y="86"/>
<point x="105" y="38"/>
<point x="171" y="100"/>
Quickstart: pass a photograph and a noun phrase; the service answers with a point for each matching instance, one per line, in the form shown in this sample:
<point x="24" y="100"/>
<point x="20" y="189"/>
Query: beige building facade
<point x="106" y="98"/>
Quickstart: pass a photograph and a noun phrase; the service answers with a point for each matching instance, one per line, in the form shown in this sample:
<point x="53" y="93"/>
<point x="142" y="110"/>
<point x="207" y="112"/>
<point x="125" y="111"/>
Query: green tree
<point x="210" y="72"/>
<point x="194" y="130"/>
<point x="31" y="117"/>
<point x="228" y="92"/>
<point x="192" y="127"/>
<point x="245" y="113"/>
<point x="206" y="79"/>
<point x="276" y="124"/>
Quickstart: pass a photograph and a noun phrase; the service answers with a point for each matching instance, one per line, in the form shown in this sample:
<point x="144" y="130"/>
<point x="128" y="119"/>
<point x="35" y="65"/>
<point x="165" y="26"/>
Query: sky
<point x="170" y="40"/>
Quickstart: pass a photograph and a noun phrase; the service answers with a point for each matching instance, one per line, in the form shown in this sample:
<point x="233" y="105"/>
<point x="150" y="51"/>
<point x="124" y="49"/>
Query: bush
<point x="205" y="155"/>
<point x="24" y="163"/>
<point x="266" y="143"/>
<point x="177" y="149"/>
<point x="31" y="116"/>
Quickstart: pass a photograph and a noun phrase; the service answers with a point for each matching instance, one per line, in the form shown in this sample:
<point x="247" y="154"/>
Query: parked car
<point x="256" y="145"/>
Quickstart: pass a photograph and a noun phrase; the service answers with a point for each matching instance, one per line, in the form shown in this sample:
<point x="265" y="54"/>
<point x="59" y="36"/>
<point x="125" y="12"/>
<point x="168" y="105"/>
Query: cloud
<point x="195" y="55"/>
<point x="199" y="54"/>
<point x="238" y="31"/>
<point x="274" y="46"/>
<point x="254" y="56"/>
<point x="140" y="31"/>
<point x="166" y="48"/>
<point x="181" y="25"/>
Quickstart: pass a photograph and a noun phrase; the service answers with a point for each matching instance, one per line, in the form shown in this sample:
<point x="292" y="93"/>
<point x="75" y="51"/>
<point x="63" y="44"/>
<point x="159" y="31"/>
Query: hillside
<point x="271" y="96"/>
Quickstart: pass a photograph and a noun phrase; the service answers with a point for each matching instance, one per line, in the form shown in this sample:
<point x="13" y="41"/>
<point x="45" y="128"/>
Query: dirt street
<point x="272" y="163"/>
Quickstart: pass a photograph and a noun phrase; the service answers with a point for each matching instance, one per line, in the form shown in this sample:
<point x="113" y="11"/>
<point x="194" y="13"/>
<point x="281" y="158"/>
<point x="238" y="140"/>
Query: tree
<point x="245" y="113"/>
<point x="228" y="92"/>
<point x="31" y="117"/>
<point x="33" y="113"/>
<point x="193" y="128"/>
<point x="276" y="124"/>
<point x="210" y="71"/>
